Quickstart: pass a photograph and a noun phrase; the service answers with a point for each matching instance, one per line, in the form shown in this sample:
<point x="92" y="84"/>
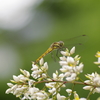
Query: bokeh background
<point x="28" y="27"/>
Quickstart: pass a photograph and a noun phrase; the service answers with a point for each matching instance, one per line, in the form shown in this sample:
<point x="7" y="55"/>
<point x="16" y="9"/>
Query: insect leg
<point x="52" y="55"/>
<point x="58" y="50"/>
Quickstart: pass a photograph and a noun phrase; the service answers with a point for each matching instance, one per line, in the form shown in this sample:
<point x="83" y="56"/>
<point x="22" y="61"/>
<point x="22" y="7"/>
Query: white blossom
<point x="94" y="79"/>
<point x="45" y="67"/>
<point x="25" y="73"/>
<point x="70" y="65"/>
<point x="34" y="67"/>
<point x="76" y="97"/>
<point x="87" y="87"/>
<point x="10" y="84"/>
<point x="39" y="71"/>
<point x="41" y="95"/>
<point x="59" y="97"/>
<point x="68" y="90"/>
<point x="72" y="51"/>
<point x="41" y="62"/>
<point x="52" y="90"/>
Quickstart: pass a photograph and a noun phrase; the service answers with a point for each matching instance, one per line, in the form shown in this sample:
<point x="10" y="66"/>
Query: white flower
<point x="16" y="79"/>
<point x="63" y="58"/>
<point x="8" y="91"/>
<point x="79" y="68"/>
<point x="97" y="90"/>
<point x="33" y="90"/>
<point x="59" y="97"/>
<point x="34" y="67"/>
<point x="39" y="71"/>
<point x="10" y="84"/>
<point x="41" y="62"/>
<point x="45" y="67"/>
<point x="31" y="93"/>
<point x="30" y="82"/>
<point x="44" y="75"/>
<point x="76" y="97"/>
<point x="70" y="61"/>
<point x="57" y="76"/>
<point x="67" y="52"/>
<point x="62" y="63"/>
<point x="68" y="90"/>
<point x="25" y="73"/>
<point x="71" y="77"/>
<point x="36" y="74"/>
<point x="20" y="90"/>
<point x="70" y="65"/>
<point x="94" y="79"/>
<point x="17" y="90"/>
<point x="19" y="78"/>
<point x="87" y="81"/>
<point x="41" y="95"/>
<point x="87" y="87"/>
<point x="64" y="53"/>
<point x="72" y="51"/>
<point x="21" y="85"/>
<point x="50" y="85"/>
<point x="53" y="90"/>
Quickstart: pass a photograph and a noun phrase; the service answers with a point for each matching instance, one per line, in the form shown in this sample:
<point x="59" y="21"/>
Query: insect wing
<point x="77" y="41"/>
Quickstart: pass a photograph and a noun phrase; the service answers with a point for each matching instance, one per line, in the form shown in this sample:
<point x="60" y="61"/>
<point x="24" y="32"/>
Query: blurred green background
<point x="28" y="27"/>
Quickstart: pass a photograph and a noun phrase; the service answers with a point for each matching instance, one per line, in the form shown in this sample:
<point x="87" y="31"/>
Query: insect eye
<point x="61" y="44"/>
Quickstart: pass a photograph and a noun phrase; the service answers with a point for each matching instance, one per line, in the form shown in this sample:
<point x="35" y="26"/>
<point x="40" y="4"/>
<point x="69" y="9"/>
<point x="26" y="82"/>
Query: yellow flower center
<point x="97" y="54"/>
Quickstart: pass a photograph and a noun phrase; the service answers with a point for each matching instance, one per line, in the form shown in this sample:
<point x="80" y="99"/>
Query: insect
<point x="54" y="46"/>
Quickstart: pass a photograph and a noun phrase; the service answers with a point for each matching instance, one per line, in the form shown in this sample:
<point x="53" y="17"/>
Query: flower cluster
<point x="70" y="65"/>
<point x="39" y="71"/>
<point x="53" y="87"/>
<point x="25" y="86"/>
<point x="94" y="79"/>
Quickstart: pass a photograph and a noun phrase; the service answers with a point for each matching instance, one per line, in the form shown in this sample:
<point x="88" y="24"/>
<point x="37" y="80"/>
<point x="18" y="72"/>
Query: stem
<point x="58" y="88"/>
<point x="81" y="80"/>
<point x="72" y="90"/>
<point x="90" y="93"/>
<point x="75" y="82"/>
